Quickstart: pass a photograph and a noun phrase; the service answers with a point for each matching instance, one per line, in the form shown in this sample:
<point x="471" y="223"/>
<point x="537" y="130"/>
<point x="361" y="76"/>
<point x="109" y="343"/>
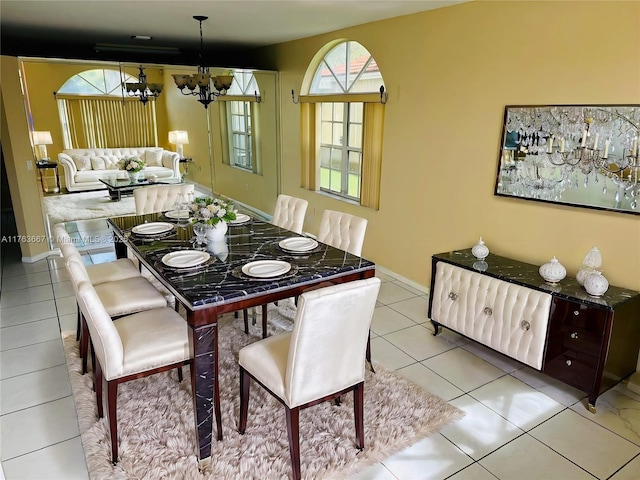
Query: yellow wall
<point x="18" y="156"/>
<point x="449" y="73"/>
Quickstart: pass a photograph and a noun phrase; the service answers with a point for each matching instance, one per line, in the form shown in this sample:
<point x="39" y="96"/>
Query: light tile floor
<point x="519" y="424"/>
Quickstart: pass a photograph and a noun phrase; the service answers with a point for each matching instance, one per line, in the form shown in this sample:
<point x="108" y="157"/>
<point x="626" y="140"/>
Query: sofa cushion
<point x="153" y="157"/>
<point x="104" y="162"/>
<point x="83" y="162"/>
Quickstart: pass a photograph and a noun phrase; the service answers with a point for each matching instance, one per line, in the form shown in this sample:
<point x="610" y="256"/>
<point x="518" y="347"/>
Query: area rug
<point x="86" y="206"/>
<point x="156" y="425"/>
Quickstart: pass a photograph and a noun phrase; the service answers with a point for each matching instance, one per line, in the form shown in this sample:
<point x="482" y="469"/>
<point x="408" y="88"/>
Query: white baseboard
<point x="39" y="257"/>
<point x="402" y="279"/>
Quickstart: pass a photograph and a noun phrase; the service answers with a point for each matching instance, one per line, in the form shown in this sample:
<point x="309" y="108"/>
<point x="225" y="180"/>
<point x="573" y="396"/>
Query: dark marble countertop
<point x="527" y="275"/>
<point x="221" y="280"/>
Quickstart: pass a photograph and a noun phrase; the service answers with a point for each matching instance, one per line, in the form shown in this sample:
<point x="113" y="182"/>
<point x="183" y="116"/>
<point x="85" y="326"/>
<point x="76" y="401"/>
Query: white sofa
<point x="83" y="167"/>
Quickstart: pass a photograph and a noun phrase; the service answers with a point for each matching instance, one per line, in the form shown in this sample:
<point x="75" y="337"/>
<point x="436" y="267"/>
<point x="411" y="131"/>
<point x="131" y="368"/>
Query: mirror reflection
<point x="583" y="155"/>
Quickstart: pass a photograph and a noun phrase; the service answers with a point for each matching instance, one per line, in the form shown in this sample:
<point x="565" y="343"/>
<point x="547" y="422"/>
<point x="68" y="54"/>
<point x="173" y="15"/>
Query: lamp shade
<point x="179" y="137"/>
<point x="42" y="138"/>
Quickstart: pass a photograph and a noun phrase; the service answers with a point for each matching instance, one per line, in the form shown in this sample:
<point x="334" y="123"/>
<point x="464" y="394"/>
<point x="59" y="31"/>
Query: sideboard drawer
<point x="506" y="317"/>
<point x="572" y="367"/>
<point x="579" y="315"/>
<point x="580" y="340"/>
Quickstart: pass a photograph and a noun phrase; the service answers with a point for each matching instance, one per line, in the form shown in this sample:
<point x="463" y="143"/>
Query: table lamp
<point x="41" y="140"/>
<point x="179" y="138"/>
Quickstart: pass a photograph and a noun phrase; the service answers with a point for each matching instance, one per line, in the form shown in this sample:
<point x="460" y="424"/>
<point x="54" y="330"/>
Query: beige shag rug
<point x="156" y="425"/>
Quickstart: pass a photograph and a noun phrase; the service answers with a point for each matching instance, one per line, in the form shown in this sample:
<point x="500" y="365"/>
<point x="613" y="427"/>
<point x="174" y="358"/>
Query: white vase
<point x="133" y="176"/>
<point x="553" y="271"/>
<point x="216" y="233"/>
<point x="583" y="273"/>
<point x="480" y="250"/>
<point x="596" y="284"/>
<point x="593" y="259"/>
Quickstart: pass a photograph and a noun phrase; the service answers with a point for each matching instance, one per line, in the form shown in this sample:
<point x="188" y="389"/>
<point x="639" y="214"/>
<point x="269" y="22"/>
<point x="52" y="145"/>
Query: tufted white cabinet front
<point x="509" y="318"/>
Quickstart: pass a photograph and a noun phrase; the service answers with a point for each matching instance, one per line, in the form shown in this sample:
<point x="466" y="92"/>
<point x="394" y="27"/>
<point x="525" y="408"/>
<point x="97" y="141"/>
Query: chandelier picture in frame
<point x="582" y="155"/>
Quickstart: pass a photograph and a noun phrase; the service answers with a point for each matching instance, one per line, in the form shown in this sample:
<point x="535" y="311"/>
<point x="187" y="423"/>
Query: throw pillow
<point x="97" y="163"/>
<point x="82" y="163"/>
<point x="153" y="157"/>
<point x="111" y="162"/>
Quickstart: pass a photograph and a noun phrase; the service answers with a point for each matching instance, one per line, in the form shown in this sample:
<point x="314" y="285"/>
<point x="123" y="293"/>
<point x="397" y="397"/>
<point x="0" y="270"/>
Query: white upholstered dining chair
<point x="343" y="231"/>
<point x="289" y="213"/>
<point x="129" y="347"/>
<point x="119" y="297"/>
<point x="159" y="198"/>
<point x="321" y="359"/>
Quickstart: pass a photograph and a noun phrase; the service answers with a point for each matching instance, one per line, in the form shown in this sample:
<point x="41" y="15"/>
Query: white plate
<point x="240" y="218"/>
<point x="185" y="258"/>
<point x="153" y="228"/>
<point x="178" y="214"/>
<point x="298" y="244"/>
<point x="266" y="268"/>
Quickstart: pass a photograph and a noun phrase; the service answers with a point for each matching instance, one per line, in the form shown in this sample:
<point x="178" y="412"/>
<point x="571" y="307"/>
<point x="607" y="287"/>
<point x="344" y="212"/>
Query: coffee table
<point x="124" y="186"/>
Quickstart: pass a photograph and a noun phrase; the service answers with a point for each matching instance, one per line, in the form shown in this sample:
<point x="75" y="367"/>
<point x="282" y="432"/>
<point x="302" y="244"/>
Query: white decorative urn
<point x="553" y="271"/>
<point x="593" y="259"/>
<point x="596" y="284"/>
<point x="480" y="250"/>
<point x="583" y="273"/>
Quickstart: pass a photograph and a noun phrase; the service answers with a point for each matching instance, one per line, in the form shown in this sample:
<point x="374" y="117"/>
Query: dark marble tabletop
<point x="528" y="275"/>
<point x="221" y="280"/>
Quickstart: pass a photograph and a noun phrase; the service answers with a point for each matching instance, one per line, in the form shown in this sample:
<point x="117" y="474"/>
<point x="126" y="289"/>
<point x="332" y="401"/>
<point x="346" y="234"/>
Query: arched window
<point x="342" y="118"/>
<point x="95" y="112"/>
<point x="239" y="129"/>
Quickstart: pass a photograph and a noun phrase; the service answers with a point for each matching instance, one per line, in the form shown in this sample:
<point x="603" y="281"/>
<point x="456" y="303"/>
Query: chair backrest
<point x="289" y="213"/>
<point x="104" y="336"/>
<point x="60" y="235"/>
<point x="329" y="340"/>
<point x="343" y="231"/>
<point x="159" y="198"/>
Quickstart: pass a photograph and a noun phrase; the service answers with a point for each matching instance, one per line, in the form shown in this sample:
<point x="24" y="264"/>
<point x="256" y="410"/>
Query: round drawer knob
<point x="525" y="325"/>
<point x="453" y="296"/>
<point x="576" y="313"/>
<point x="569" y="362"/>
<point x="574" y="335"/>
<point x="487" y="311"/>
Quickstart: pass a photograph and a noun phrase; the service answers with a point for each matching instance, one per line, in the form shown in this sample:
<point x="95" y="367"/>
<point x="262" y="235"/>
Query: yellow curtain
<point x="96" y="122"/>
<point x="372" y="155"/>
<point x="308" y="166"/>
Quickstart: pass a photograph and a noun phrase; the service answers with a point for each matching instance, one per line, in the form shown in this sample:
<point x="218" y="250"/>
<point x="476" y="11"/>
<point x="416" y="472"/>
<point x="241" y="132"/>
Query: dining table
<point x="243" y="270"/>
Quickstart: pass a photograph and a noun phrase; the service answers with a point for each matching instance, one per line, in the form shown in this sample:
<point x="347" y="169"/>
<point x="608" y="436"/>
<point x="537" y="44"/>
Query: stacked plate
<point x="178" y="214"/>
<point x="241" y="219"/>
<point x="152" y="229"/>
<point x="298" y="244"/>
<point x="185" y="258"/>
<point x="266" y="268"/>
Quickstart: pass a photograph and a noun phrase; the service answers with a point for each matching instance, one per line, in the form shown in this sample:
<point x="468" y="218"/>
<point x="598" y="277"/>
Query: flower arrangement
<point x="212" y="210"/>
<point x="131" y="164"/>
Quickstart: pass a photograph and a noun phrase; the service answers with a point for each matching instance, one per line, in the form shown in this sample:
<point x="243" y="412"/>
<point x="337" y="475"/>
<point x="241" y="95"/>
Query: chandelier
<point x="199" y="84"/>
<point x="600" y="143"/>
<point x="145" y="91"/>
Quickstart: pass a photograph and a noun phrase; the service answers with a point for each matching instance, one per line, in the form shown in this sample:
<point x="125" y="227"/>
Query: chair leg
<point x="112" y="396"/>
<point x="98" y="387"/>
<point x="179" y="374"/>
<point x="79" y="323"/>
<point x="84" y="342"/>
<point x="293" y="429"/>
<point x="176" y="306"/>
<point x="245" y="316"/>
<point x="264" y="321"/>
<point x="368" y="353"/>
<point x="245" y="381"/>
<point x="358" y="413"/>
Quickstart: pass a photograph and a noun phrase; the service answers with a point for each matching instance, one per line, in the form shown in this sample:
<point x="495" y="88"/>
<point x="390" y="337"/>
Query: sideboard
<point x="590" y="343"/>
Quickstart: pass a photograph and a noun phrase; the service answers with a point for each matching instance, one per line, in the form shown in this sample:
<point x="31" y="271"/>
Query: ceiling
<point x="72" y="28"/>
